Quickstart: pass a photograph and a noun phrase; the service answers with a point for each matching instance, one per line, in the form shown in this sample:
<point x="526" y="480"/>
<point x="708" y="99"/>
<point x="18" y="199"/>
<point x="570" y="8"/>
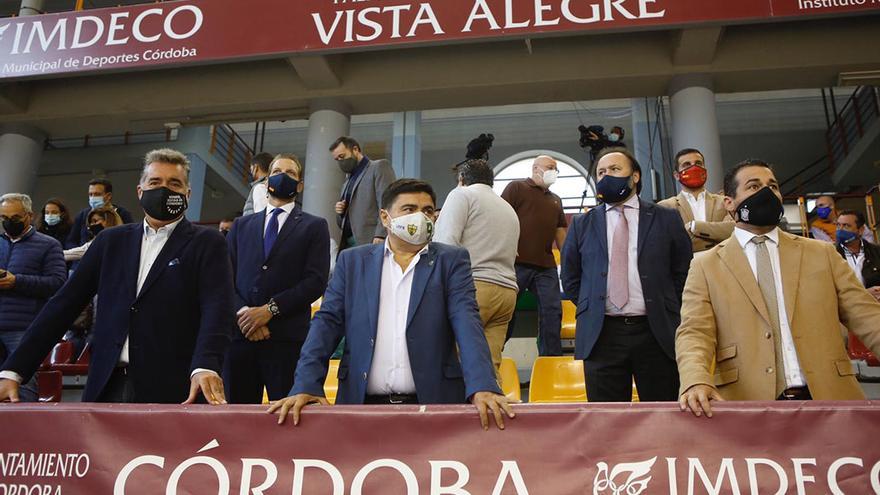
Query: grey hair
<point x="165" y="155"/>
<point x="24" y="199"/>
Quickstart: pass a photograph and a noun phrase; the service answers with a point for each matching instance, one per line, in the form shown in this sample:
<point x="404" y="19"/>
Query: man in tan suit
<point x="703" y="213"/>
<point x="764" y="308"/>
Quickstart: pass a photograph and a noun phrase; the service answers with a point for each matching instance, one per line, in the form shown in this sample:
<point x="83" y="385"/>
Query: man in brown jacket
<point x="764" y="308"/>
<point x="703" y="212"/>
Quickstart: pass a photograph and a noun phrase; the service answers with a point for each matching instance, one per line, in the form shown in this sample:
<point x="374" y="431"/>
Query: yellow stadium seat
<point x="510" y="380"/>
<point x="569" y="320"/>
<point x="557" y="256"/>
<point x="265" y="396"/>
<point x="316" y="306"/>
<point x="557" y="379"/>
<point x="331" y="383"/>
<point x="635" y="396"/>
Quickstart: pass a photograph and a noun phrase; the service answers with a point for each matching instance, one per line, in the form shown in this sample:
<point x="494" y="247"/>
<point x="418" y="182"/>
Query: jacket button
<point x="365" y="376"/>
<point x="372" y="342"/>
<point x="767" y="335"/>
<point x="134" y="309"/>
<point x="601" y="298"/>
<point x="265" y="267"/>
<point x="769" y="370"/>
<point x="604" y="274"/>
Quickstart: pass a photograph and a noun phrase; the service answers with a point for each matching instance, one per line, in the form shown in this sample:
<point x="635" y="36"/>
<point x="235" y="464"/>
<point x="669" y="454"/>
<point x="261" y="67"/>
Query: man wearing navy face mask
<point x="764" y="309"/>
<point x="624" y="265"/>
<point x="279" y="256"/>
<point x="165" y="289"/>
<point x="862" y="256"/>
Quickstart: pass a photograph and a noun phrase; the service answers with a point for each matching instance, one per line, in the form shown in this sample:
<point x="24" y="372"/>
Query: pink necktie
<point x="619" y="293"/>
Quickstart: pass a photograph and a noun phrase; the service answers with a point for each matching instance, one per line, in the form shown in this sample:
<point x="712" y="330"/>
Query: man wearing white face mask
<point x="408" y="312"/>
<point x="541" y="223"/>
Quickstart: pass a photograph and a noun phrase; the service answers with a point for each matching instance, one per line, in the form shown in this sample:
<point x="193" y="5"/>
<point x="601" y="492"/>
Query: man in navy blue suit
<point x="624" y="264"/>
<point x="281" y="260"/>
<point x="406" y="308"/>
<point x="165" y="307"/>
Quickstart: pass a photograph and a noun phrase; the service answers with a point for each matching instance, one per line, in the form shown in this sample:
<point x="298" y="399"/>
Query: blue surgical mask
<point x="52" y="219"/>
<point x="823" y="212"/>
<point x="844" y="237"/>
<point x="96" y="202"/>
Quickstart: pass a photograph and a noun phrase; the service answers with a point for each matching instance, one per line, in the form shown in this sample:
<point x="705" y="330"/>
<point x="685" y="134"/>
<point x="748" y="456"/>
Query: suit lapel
<point x="364" y="172"/>
<point x="790" y="254"/>
<point x="133" y="242"/>
<point x="373" y="262"/>
<point x="289" y="226"/>
<point x="646" y="220"/>
<point x="600" y="229"/>
<point x="180" y="237"/>
<point x="254" y="232"/>
<point x="421" y="274"/>
<point x="733" y="256"/>
<point x="684" y="208"/>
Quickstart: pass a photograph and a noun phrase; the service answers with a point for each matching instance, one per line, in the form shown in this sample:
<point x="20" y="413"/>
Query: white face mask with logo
<point x="549" y="177"/>
<point x="415" y="228"/>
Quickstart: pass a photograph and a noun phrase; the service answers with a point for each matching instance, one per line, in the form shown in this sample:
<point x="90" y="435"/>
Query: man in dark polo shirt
<point x="541" y="222"/>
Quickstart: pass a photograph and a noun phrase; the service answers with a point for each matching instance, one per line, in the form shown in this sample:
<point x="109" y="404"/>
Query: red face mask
<point x="693" y="177"/>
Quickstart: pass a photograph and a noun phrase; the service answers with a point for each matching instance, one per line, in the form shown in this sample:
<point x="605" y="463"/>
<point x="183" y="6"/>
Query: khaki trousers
<point x="497" y="304"/>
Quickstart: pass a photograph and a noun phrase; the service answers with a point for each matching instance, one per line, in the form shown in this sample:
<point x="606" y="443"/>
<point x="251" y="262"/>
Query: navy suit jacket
<point x="180" y="320"/>
<point x="294" y="274"/>
<point x="664" y="257"/>
<point x="442" y="313"/>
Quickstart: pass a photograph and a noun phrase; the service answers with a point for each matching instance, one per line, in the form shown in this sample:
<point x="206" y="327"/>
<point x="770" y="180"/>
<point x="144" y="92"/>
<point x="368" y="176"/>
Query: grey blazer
<point x="366" y="199"/>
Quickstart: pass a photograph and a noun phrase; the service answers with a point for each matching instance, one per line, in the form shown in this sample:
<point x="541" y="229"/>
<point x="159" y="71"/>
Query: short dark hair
<point x="349" y="142"/>
<point x="230" y="217"/>
<point x="686" y="151"/>
<point x="730" y="180"/>
<point x="108" y="186"/>
<point x="860" y="217"/>
<point x="263" y="160"/>
<point x="632" y="161"/>
<point x="405" y="186"/>
<point x="476" y="171"/>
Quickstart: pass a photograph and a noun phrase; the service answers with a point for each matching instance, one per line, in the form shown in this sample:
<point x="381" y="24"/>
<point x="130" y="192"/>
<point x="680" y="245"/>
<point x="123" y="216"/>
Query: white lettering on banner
<point x="117" y="30"/>
<point x="217" y="466"/>
<point x="510" y="469"/>
<point x="367" y="18"/>
<point x="481" y="11"/>
<point x="800" y="478"/>
<point x="457" y="488"/>
<point x="21" y="489"/>
<point x="752" y="465"/>
<point x="832" y="472"/>
<point x="43" y="465"/>
<point x="299" y="472"/>
<point x="412" y="484"/>
<point x="247" y="468"/>
<point x="694" y="465"/>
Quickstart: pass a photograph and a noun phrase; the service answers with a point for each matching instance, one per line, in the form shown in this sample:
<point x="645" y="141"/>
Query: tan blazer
<point x="724" y="321"/>
<point x="717" y="227"/>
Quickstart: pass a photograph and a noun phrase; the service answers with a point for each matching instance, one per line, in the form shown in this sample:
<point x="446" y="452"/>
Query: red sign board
<point x="202" y="31"/>
<point x="599" y="449"/>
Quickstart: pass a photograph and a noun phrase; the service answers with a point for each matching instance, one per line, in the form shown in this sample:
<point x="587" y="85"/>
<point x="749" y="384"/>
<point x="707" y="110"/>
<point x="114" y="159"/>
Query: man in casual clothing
<point x="477" y="219"/>
<point x="541" y="216"/>
<point x="100" y="195"/>
<point x="257" y="199"/>
<point x="31" y="270"/>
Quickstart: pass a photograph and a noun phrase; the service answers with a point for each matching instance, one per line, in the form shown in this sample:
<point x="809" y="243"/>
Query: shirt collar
<point x="744" y="236"/>
<point x="166" y="230"/>
<point x="632" y="202"/>
<point x="698" y="197"/>
<point x="287" y="208"/>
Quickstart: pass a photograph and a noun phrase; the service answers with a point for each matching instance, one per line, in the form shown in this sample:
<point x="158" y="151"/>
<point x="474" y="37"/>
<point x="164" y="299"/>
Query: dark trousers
<point x="250" y="366"/>
<point x="544" y="284"/>
<point x="627" y="349"/>
<point x="119" y="388"/>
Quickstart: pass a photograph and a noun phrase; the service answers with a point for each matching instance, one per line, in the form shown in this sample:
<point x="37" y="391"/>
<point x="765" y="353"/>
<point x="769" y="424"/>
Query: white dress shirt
<point x="856" y="261"/>
<point x="260" y="196"/>
<point x="390" y="371"/>
<point x="282" y="217"/>
<point x="636" y="304"/>
<point x="794" y="377"/>
<point x="698" y="204"/>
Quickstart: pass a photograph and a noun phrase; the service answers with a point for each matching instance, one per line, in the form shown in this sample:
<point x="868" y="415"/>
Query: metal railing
<point x="125" y="138"/>
<point x="797" y="184"/>
<point x="229" y="147"/>
<point x="850" y="123"/>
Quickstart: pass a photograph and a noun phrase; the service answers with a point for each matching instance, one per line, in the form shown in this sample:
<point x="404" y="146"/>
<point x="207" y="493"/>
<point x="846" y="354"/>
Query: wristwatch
<point x="273" y="307"/>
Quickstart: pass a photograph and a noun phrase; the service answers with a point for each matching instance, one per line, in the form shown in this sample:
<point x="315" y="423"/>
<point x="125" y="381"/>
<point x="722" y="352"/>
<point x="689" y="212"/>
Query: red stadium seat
<point x="49" y="383"/>
<point x="79" y="367"/>
<point x="859" y="352"/>
<point x="62" y="353"/>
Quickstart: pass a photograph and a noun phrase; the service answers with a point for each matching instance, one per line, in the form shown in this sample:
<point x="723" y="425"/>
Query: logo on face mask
<point x="415" y="228"/>
<point x="744" y="214"/>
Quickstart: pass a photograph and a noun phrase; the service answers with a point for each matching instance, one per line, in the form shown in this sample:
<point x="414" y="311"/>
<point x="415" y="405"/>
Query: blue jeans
<point x="544" y="284"/>
<point x="9" y="342"/>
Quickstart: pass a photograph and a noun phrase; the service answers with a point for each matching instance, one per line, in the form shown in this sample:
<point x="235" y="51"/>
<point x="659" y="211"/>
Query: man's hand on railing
<point x="294" y="403"/>
<point x="8" y="390"/>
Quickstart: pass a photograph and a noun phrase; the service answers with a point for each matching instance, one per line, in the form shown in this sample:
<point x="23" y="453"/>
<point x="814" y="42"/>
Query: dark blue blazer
<point x="294" y="274"/>
<point x="664" y="251"/>
<point x="180" y="321"/>
<point x="442" y="313"/>
<point x="79" y="232"/>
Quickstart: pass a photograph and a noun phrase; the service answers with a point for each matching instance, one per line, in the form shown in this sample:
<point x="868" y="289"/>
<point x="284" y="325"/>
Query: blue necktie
<point x="271" y="232"/>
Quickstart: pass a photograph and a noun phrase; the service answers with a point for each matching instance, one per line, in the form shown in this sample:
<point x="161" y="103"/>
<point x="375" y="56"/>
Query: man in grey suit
<point x="358" y="207"/>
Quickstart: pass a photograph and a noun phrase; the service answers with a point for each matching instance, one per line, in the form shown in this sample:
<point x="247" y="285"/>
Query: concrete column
<point x="31" y="7"/>
<point x="20" y="151"/>
<point x="198" y="169"/>
<point x="694" y="123"/>
<point x="406" y="145"/>
<point x="323" y="178"/>
<point x="647" y="144"/>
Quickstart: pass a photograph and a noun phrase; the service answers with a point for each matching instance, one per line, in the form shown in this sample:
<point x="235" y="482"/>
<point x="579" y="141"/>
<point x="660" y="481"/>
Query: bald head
<point x="542" y="164"/>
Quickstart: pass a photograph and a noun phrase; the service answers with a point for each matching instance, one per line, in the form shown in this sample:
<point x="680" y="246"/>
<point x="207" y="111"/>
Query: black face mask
<point x="95" y="229"/>
<point x="348" y="165"/>
<point x="762" y="209"/>
<point x="282" y="186"/>
<point x="13" y="228"/>
<point x="163" y="204"/>
<point x="613" y="189"/>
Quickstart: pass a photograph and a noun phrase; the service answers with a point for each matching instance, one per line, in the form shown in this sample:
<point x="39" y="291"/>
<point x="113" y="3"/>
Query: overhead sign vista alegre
<point x="210" y="31"/>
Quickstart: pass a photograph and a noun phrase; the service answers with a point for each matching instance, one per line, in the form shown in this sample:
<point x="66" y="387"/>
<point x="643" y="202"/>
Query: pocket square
<point x="174" y="262"/>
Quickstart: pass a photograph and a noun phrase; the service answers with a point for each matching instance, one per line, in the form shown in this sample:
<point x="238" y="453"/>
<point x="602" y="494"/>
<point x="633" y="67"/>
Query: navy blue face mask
<point x="613" y="189"/>
<point x="282" y="186"/>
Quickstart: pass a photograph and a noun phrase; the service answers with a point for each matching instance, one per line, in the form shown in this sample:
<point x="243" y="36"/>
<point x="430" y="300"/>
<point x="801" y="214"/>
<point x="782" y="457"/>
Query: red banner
<point x="200" y="31"/>
<point x="747" y="448"/>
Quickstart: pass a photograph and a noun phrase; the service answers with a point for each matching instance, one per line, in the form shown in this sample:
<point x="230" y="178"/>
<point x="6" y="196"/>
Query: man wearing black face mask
<point x="358" y="207"/>
<point x="624" y="264"/>
<point x="31" y="270"/>
<point x="281" y="265"/>
<point x="764" y="309"/>
<point x="165" y="290"/>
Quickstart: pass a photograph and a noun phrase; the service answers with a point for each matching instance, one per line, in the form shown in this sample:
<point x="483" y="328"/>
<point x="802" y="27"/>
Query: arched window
<point x="571" y="185"/>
